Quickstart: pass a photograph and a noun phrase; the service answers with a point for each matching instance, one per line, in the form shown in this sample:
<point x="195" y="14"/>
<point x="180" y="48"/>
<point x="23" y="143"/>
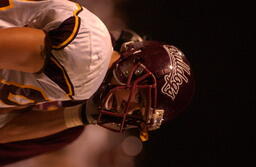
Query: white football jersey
<point x="79" y="60"/>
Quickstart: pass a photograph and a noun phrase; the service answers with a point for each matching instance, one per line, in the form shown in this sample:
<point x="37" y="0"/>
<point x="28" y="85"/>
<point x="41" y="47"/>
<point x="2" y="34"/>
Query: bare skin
<point x="114" y="58"/>
<point x="22" y="49"/>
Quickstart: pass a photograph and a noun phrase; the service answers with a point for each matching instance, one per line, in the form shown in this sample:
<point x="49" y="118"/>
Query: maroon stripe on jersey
<point x="4" y="3"/>
<point x="65" y="33"/>
<point x="13" y="152"/>
<point x="57" y="73"/>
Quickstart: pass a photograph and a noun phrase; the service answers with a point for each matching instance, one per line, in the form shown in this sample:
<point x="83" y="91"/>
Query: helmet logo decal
<point x="177" y="76"/>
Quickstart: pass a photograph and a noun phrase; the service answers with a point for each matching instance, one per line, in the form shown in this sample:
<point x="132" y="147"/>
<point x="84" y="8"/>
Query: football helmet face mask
<point x="149" y="85"/>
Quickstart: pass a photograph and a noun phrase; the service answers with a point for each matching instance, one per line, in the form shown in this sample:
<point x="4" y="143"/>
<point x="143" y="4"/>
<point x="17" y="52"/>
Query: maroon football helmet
<point x="155" y="75"/>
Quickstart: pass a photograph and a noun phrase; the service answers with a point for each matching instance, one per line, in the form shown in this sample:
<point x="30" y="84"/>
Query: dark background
<point x="215" y="36"/>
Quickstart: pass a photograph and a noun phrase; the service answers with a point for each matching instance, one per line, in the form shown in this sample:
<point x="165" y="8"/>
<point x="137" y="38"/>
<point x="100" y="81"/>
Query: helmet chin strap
<point x="144" y="132"/>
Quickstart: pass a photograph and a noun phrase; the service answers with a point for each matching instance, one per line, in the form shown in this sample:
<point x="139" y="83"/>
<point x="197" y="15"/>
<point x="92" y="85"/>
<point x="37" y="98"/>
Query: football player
<point x="54" y="57"/>
<point x="50" y="51"/>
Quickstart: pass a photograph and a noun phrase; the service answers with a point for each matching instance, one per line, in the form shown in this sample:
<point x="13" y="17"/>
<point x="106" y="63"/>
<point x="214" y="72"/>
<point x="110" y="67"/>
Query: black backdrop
<point x="215" y="36"/>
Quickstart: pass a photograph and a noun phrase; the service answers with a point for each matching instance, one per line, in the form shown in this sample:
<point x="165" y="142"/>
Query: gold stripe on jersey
<point x="6" y="4"/>
<point x="4" y="82"/>
<point x="70" y="92"/>
<point x="75" y="30"/>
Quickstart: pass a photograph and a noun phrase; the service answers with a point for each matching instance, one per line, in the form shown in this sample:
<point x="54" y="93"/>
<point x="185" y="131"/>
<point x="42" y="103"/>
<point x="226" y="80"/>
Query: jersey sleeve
<point x="65" y="33"/>
<point x="85" y="53"/>
<point x="82" y="46"/>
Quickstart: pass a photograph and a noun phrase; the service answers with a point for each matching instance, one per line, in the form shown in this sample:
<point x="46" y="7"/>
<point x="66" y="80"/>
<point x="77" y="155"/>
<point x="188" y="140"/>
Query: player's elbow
<point x="31" y="63"/>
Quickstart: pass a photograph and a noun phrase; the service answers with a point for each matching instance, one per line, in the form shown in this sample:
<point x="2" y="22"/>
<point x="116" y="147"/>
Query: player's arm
<point x="22" y="49"/>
